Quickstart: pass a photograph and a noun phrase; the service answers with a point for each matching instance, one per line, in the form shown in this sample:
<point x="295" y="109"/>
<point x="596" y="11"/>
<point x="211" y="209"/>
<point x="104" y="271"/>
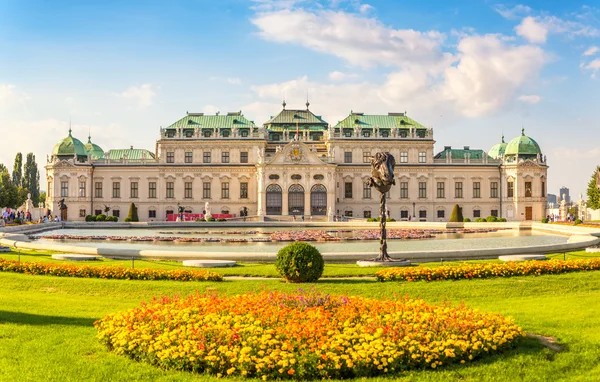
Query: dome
<point x="69" y="146"/>
<point x="523" y="145"/>
<point x="498" y="150"/>
<point x="93" y="150"/>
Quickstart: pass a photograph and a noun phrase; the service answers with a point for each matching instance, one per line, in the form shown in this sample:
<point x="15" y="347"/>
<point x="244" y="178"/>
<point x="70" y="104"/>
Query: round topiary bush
<point x="502" y="220"/>
<point x="545" y="220"/>
<point x="466" y="220"/>
<point x="101" y="218"/>
<point x="299" y="262"/>
<point x="491" y="219"/>
<point x="371" y="220"/>
<point x="578" y="221"/>
<point x="210" y="219"/>
<point x="480" y="220"/>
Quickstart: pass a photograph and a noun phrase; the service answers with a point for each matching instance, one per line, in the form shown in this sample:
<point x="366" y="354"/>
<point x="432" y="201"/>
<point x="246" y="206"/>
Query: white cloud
<point x="210" y="109"/>
<point x="593" y="66"/>
<point x="592" y="50"/>
<point x="360" y="40"/>
<point x="340" y="76"/>
<point x="10" y="96"/>
<point x="532" y="99"/>
<point x="515" y="12"/>
<point x="228" y="80"/>
<point x="532" y="30"/>
<point x="365" y="8"/>
<point x="141" y="95"/>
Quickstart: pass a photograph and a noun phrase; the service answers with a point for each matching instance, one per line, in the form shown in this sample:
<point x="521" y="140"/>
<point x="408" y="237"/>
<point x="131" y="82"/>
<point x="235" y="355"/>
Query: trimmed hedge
<point x="299" y="262"/>
<point x="456" y="216"/>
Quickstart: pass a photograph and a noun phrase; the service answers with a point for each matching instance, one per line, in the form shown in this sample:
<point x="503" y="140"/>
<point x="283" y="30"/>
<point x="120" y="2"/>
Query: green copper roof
<point x="498" y="150"/>
<point x="459" y="154"/>
<point x="389" y="121"/>
<point x="522" y="145"/>
<point x="94" y="150"/>
<point x="287" y="119"/>
<point x="131" y="154"/>
<point x="69" y="146"/>
<point x="200" y="121"/>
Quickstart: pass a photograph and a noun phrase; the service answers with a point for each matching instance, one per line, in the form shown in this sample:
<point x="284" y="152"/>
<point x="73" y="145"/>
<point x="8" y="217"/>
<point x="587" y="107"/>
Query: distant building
<point x="551" y="198"/>
<point x="564" y="193"/>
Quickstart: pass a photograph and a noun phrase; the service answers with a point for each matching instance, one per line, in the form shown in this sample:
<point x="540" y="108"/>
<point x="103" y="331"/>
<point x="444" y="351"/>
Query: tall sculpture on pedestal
<point x="382" y="178"/>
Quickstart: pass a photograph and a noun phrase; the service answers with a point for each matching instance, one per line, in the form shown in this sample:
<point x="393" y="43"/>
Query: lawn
<point x="46" y="323"/>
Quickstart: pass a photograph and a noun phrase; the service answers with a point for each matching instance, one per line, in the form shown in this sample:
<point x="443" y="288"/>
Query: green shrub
<point x="101" y="218"/>
<point x="112" y="219"/>
<point x="221" y="219"/>
<point x="577" y="222"/>
<point x="491" y="219"/>
<point x="371" y="220"/>
<point x="90" y="218"/>
<point x="210" y="219"/>
<point x="545" y="220"/>
<point x="132" y="216"/>
<point x="502" y="220"/>
<point x="17" y="221"/>
<point x="299" y="262"/>
<point x="198" y="220"/>
<point x="456" y="216"/>
<point x="127" y="219"/>
<point x="480" y="220"/>
<point x="466" y="220"/>
<point x="390" y="220"/>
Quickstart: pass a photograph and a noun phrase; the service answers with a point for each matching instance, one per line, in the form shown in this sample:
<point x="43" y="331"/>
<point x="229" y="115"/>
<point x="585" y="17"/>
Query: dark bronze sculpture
<point x="61" y="205"/>
<point x="382" y="178"/>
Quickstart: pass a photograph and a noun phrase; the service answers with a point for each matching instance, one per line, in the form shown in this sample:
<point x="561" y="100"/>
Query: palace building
<point x="297" y="164"/>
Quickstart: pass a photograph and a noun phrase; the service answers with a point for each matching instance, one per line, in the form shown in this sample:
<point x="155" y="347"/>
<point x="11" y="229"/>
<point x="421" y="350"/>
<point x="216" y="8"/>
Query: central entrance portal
<point x="296" y="200"/>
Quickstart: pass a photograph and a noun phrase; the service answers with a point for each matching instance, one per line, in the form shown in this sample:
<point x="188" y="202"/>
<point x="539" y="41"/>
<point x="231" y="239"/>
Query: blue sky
<point x="471" y="69"/>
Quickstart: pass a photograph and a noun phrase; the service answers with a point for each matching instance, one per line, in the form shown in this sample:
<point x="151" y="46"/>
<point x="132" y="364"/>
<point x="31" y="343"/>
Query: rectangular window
<point x="348" y="213"/>
<point x="97" y="212"/>
<point x="82" y="189"/>
<point x="543" y="189"/>
<point x="152" y="214"/>
<point x="206" y="157"/>
<point x="348" y="157"/>
<point x="458" y="190"/>
<point x="134" y="190"/>
<point x="244" y="190"/>
<point x="116" y="190"/>
<point x="348" y="190"/>
<point x="64" y="189"/>
<point x="189" y="157"/>
<point x="366" y="157"/>
<point x="476" y="189"/>
<point x="493" y="189"/>
<point x="528" y="189"/>
<point x="423" y="214"/>
<point x="404" y="214"/>
<point x="404" y="157"/>
<point x="366" y="214"/>
<point x="116" y="213"/>
<point x="422" y="190"/>
<point x="170" y="190"/>
<point x="476" y="213"/>
<point x="187" y="190"/>
<point x="152" y="190"/>
<point x="225" y="157"/>
<point x="422" y="157"/>
<point x="98" y="190"/>
<point x="441" y="192"/>
<point x="510" y="189"/>
<point x="206" y="190"/>
<point x="81" y="213"/>
<point x="224" y="190"/>
<point x="403" y="190"/>
<point x="244" y="157"/>
<point x="170" y="157"/>
<point x="494" y="213"/>
<point x="441" y="214"/>
<point x="366" y="191"/>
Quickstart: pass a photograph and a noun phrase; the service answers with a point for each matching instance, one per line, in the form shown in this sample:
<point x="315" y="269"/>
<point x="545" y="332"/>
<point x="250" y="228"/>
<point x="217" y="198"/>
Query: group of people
<point x="10" y="216"/>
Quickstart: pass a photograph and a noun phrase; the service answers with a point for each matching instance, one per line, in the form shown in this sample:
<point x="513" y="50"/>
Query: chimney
<point x="467" y="148"/>
<point x="447" y="148"/>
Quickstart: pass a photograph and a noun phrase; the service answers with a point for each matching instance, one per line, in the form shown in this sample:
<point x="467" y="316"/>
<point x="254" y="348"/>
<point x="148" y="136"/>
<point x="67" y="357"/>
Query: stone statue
<point x="261" y="155"/>
<point x="207" y="212"/>
<point x="382" y="178"/>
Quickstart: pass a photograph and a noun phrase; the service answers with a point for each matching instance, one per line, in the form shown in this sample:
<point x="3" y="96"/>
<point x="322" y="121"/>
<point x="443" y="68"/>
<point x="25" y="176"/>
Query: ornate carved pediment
<point x="296" y="153"/>
<point x="528" y="163"/>
<point x="64" y="164"/>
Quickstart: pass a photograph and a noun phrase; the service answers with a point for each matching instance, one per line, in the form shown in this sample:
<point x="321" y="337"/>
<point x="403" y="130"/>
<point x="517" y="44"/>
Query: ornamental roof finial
<point x="522" y="131"/>
<point x="283" y="104"/>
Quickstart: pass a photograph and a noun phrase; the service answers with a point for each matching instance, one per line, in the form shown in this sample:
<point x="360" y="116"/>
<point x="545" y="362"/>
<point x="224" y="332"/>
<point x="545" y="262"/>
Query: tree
<point x="8" y="191"/>
<point x="17" y="175"/>
<point x="456" y="216"/>
<point x="43" y="196"/>
<point x="31" y="178"/>
<point x="132" y="216"/>
<point x="593" y="193"/>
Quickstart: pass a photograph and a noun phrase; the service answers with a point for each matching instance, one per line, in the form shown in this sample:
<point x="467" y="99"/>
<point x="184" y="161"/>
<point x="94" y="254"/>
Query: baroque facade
<point x="297" y="164"/>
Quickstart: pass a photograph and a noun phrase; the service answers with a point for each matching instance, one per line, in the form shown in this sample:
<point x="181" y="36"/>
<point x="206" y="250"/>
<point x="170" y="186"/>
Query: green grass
<point x="253" y="269"/>
<point x="46" y="330"/>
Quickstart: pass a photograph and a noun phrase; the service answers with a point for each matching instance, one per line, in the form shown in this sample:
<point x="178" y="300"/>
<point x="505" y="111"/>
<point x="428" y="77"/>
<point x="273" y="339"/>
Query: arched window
<point x="274" y="199"/>
<point x="296" y="200"/>
<point x="318" y="200"/>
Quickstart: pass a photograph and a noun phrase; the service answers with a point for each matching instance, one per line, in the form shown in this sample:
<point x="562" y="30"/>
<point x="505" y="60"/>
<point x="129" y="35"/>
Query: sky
<point x="473" y="70"/>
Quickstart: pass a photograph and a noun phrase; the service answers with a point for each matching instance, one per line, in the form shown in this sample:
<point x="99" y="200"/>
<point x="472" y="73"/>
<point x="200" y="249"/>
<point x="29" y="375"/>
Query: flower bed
<point x="273" y="335"/>
<point x="483" y="271"/>
<point x="69" y="270"/>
